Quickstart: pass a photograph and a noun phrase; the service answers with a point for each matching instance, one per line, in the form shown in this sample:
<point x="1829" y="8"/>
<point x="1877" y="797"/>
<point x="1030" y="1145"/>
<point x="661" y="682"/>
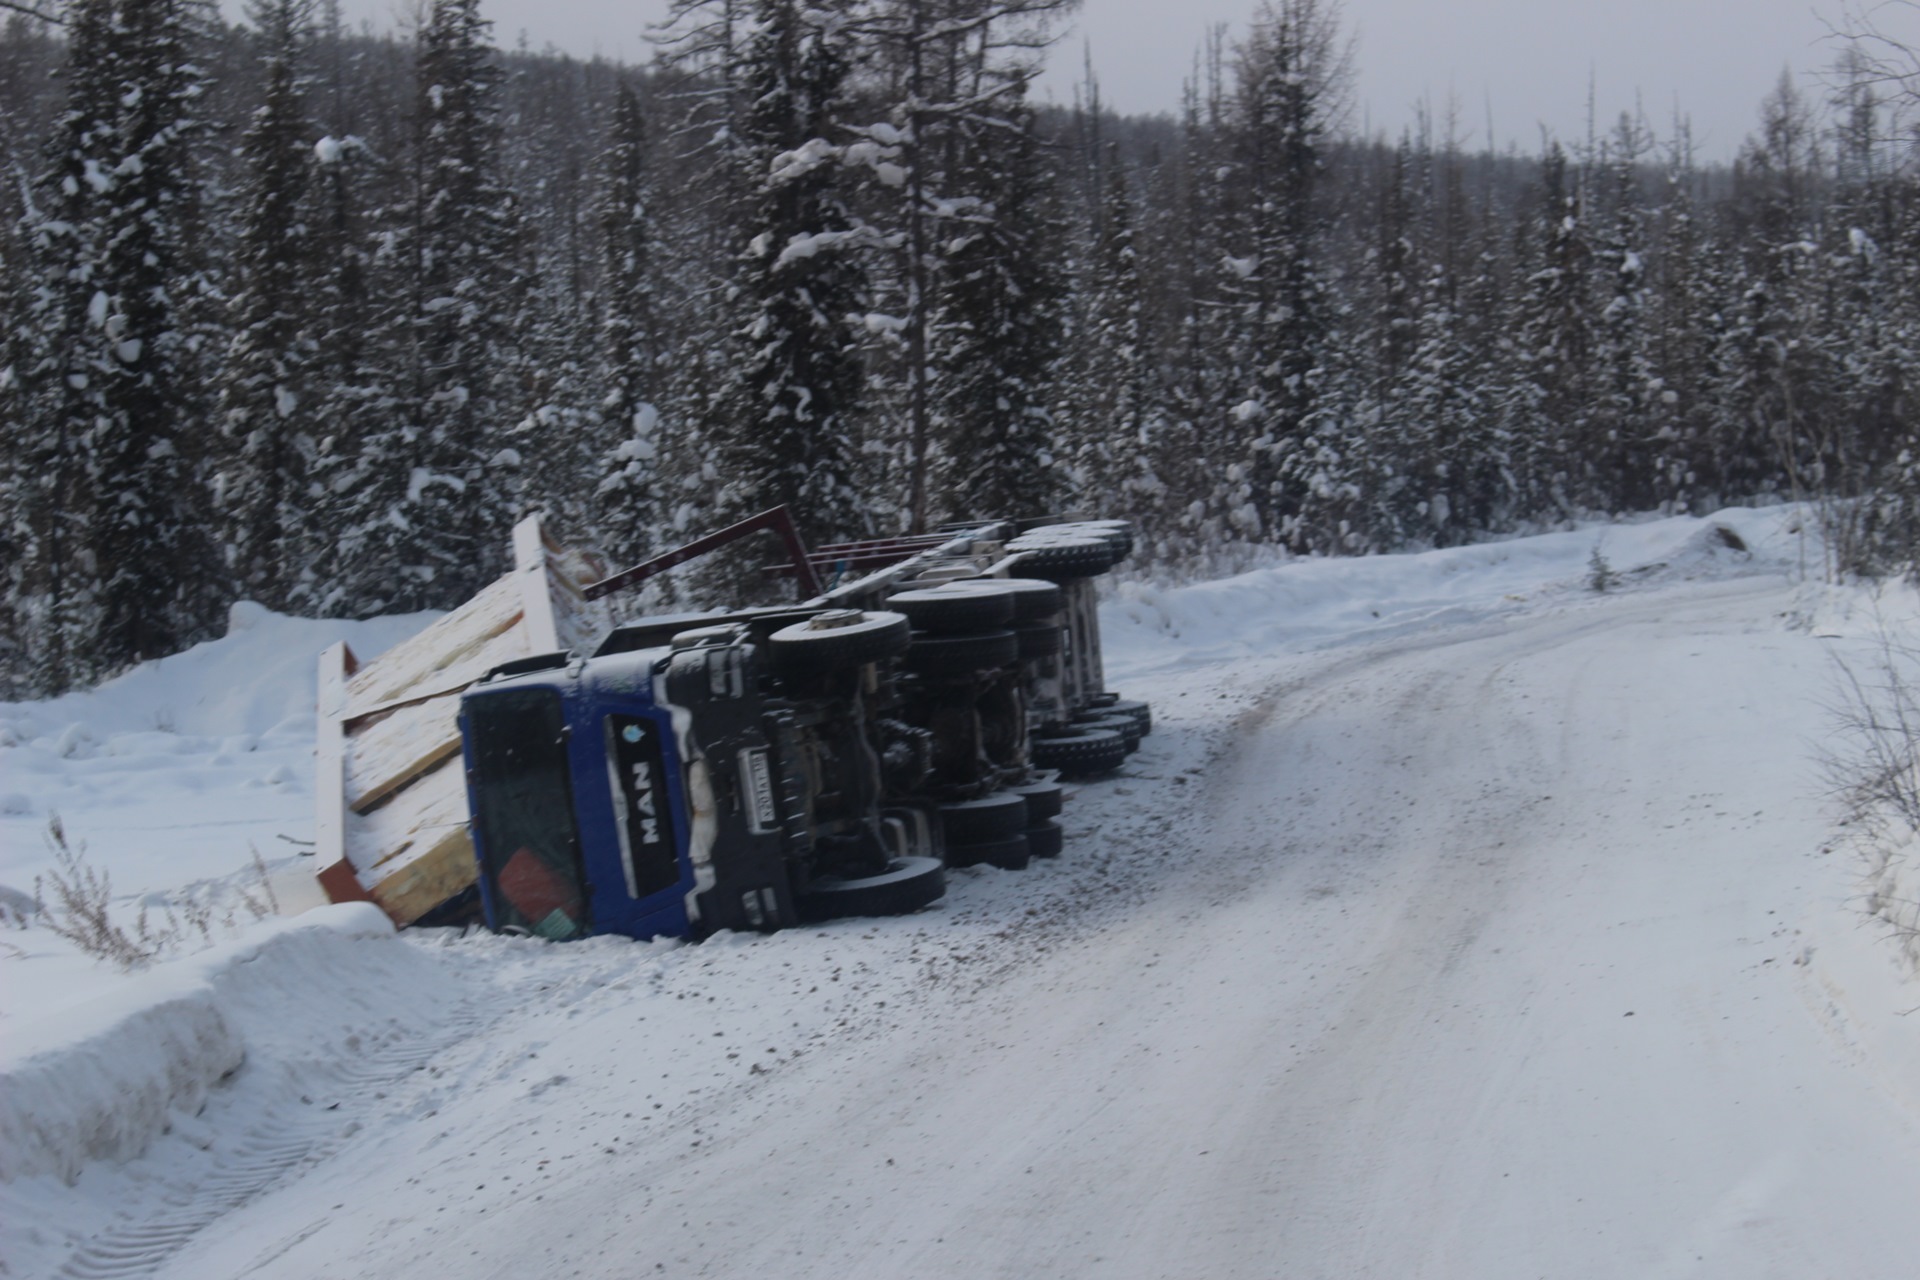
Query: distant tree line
<point x="308" y="317"/>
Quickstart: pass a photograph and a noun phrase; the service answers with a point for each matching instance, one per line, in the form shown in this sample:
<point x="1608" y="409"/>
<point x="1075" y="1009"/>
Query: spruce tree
<point x="947" y="72"/>
<point x="784" y="427"/>
<point x="57" y="385"/>
<point x="1616" y="459"/>
<point x="1767" y="447"/>
<point x="1392" y="444"/>
<point x="268" y="396"/>
<point x="356" y="461"/>
<point x="1553" y="390"/>
<point x="629" y="490"/>
<point x="1110" y="427"/>
<point x="115" y="566"/>
<point x="466" y="268"/>
<point x="1685" y="409"/>
<point x="149" y="537"/>
<point x="1203" y="379"/>
<point x="998" y="336"/>
<point x="1292" y="72"/>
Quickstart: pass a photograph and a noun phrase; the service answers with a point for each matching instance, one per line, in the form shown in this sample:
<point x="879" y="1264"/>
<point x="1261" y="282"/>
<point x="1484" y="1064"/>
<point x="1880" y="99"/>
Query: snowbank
<point x="1314" y="603"/>
<point x="255" y="679"/>
<point x="101" y="1080"/>
<point x="170" y="772"/>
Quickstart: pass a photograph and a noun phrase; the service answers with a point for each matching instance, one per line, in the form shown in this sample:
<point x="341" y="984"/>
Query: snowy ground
<point x="1454" y="922"/>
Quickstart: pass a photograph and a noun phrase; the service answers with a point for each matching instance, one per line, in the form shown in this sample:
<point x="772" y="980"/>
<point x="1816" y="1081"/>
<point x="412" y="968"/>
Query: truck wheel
<point x="1055" y="561"/>
<point x="1033" y="598"/>
<point x="1037" y="639"/>
<point x="956" y="607"/>
<point x="907" y="884"/>
<point x="1011" y="853"/>
<point x="1126" y="726"/>
<point x="1046" y="840"/>
<point x="1081" y="754"/>
<point x="959" y="655"/>
<point x="1044" y="799"/>
<point x="1140" y="711"/>
<point x="836" y="639"/>
<point x="993" y="817"/>
<point x="1117" y="532"/>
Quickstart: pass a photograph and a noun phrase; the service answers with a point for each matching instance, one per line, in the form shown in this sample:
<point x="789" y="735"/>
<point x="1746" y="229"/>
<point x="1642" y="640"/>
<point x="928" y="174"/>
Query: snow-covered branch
<point x="44" y="10"/>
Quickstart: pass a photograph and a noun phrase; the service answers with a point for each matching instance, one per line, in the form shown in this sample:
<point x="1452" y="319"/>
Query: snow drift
<point x="101" y="1080"/>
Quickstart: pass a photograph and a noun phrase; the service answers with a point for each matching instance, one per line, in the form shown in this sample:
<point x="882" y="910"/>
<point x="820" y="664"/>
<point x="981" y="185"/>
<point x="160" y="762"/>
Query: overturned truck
<point x="532" y="760"/>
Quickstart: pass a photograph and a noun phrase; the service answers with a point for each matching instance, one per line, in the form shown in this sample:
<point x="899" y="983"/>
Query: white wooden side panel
<point x="553" y="581"/>
<point x="581" y="624"/>
<point x="330" y="800"/>
<point x="536" y="595"/>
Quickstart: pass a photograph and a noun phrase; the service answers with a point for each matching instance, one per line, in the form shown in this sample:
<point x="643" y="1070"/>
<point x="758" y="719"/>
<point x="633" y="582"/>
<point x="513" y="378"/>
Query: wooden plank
<point x="453" y="685"/>
<point x="420" y="853"/>
<point x="432" y="751"/>
<point x="449" y="642"/>
<point x="387" y="751"/>
<point x="439" y="872"/>
<point x="401" y="827"/>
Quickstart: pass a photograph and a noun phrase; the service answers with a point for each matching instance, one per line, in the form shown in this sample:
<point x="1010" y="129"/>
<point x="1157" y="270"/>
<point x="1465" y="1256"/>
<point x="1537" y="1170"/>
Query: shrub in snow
<point x="79" y="902"/>
<point x="76" y="901"/>
<point x="1601" y="576"/>
<point x="1876" y="772"/>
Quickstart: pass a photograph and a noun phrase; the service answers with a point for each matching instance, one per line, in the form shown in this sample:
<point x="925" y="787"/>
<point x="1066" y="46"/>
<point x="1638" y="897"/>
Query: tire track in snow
<point x="289" y="1138"/>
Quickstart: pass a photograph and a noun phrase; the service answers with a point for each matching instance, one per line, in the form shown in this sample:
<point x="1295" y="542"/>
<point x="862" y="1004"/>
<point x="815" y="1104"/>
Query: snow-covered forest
<point x="309" y="317"/>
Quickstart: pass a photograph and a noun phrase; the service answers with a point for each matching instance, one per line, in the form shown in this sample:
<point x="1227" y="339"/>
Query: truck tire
<point x="993" y="817"/>
<point x="1046" y="840"/>
<point x="1140" y="711"/>
<point x="1125" y="725"/>
<point x="1117" y="532"/>
<point x="1033" y="598"/>
<point x="1080" y="754"/>
<point x="1044" y="800"/>
<point x="932" y="655"/>
<point x="836" y="639"/>
<point x="907" y="884"/>
<point x="1010" y="853"/>
<point x="952" y="608"/>
<point x="1037" y="639"/>
<point x="1059" y="561"/>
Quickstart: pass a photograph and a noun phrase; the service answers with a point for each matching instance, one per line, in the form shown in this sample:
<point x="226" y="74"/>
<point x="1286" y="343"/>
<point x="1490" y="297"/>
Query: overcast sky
<point x="1525" y="63"/>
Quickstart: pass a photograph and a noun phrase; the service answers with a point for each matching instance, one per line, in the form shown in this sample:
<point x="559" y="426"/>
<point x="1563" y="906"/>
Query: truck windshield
<point x="523" y="813"/>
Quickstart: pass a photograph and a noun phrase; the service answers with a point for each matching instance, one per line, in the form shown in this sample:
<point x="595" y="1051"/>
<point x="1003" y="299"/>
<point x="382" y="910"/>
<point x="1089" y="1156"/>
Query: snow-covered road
<point x="1468" y="955"/>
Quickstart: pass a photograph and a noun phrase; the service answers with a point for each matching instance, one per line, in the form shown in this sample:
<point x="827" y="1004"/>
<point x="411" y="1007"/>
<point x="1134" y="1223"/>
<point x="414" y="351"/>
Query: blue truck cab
<point x="695" y="774"/>
<point x="581" y="821"/>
